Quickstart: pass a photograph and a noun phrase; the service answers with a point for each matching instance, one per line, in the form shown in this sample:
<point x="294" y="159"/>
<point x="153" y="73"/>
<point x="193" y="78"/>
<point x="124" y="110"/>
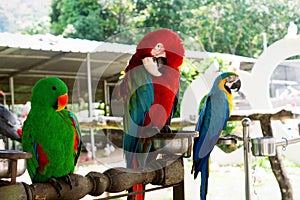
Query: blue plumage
<point x="213" y="118"/>
<point x="141" y="98"/>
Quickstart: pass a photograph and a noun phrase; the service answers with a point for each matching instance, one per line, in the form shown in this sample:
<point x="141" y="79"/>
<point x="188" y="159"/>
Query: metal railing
<point x="264" y="146"/>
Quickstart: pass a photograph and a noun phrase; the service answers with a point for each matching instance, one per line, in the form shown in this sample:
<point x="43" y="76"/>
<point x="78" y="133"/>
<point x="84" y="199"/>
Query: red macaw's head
<point x="159" y="43"/>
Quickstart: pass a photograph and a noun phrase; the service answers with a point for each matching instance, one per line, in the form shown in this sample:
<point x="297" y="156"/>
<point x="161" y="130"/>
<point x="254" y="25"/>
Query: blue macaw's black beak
<point x="236" y="85"/>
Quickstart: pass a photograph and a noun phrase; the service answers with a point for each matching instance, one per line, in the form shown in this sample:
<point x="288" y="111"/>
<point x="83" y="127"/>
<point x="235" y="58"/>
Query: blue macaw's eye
<point x="231" y="79"/>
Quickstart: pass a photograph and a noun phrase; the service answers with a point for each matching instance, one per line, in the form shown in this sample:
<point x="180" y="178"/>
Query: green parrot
<point x="51" y="133"/>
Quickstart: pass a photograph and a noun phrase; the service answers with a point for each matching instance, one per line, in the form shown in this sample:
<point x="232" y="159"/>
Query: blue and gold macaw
<point x="212" y="120"/>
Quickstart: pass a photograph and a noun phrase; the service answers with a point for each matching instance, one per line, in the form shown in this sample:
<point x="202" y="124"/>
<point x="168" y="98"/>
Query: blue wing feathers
<point x="140" y="100"/>
<point x="204" y="177"/>
<point x="212" y="120"/>
<point x="227" y="115"/>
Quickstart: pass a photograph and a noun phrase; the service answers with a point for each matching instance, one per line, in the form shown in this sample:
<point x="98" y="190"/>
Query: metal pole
<point x="247" y="157"/>
<point x="12" y="93"/>
<point x="285" y="142"/>
<point x="12" y="96"/>
<point x="106" y="98"/>
<point x="89" y="85"/>
<point x="90" y="101"/>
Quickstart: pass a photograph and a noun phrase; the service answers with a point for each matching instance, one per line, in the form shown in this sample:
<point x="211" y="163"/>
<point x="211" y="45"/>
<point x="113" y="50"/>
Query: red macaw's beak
<point x="151" y="66"/>
<point x="62" y="102"/>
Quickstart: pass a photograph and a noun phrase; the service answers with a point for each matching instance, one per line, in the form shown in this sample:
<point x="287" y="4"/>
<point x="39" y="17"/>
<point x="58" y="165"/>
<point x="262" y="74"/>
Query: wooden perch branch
<point x="258" y="114"/>
<point x="276" y="162"/>
<point x="160" y="172"/>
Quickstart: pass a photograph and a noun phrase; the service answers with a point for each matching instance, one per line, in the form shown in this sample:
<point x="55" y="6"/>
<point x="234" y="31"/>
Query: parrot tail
<point x="138" y="187"/>
<point x="204" y="179"/>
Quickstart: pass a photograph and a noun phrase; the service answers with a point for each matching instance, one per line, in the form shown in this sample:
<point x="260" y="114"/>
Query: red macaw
<point x="149" y="88"/>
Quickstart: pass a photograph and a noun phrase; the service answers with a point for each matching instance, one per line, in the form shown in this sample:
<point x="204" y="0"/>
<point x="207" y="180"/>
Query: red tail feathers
<point x="138" y="187"/>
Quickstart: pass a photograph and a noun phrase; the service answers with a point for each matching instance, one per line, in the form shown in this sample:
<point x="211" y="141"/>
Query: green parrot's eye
<point x="53" y="88"/>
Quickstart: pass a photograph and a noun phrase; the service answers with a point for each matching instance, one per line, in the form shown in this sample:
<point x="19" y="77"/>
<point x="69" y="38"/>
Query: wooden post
<point x="276" y="162"/>
<point x="13" y="156"/>
<point x="13" y="170"/>
<point x="178" y="190"/>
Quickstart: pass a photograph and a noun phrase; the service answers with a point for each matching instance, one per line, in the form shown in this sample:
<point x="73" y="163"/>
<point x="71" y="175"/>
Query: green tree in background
<point x="85" y="19"/>
<point x="236" y="27"/>
<point x="224" y="26"/>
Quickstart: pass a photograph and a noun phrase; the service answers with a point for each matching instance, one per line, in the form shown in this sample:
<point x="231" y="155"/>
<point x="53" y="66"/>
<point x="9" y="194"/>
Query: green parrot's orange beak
<point x="62" y="102"/>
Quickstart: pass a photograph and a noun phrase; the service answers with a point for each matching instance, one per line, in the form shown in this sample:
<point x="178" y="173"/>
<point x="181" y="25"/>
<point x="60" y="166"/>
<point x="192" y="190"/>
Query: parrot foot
<point x="57" y="186"/>
<point x="67" y="179"/>
<point x="155" y="130"/>
<point x="166" y="129"/>
<point x="150" y="131"/>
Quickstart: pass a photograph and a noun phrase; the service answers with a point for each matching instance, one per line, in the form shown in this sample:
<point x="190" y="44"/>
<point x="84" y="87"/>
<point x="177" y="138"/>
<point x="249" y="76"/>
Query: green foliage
<point x="188" y="73"/>
<point x="41" y="26"/>
<point x="236" y="27"/>
<point x="167" y="14"/>
<point x="224" y="26"/>
<point x="85" y="19"/>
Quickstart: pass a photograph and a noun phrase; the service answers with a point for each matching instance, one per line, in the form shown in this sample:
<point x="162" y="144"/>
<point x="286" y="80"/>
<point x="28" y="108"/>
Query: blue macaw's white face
<point x="232" y="82"/>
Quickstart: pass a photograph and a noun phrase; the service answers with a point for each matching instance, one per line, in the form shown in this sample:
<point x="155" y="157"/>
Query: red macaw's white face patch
<point x="158" y="50"/>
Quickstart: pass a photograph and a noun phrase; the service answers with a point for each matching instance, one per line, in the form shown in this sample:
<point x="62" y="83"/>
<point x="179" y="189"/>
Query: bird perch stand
<point x="11" y="170"/>
<point x="177" y="142"/>
<point x="266" y="146"/>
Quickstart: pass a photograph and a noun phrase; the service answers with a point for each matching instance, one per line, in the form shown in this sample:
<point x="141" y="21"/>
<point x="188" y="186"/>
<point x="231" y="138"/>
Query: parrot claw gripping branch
<point x="51" y="134"/>
<point x="149" y="89"/>
<point x="214" y="114"/>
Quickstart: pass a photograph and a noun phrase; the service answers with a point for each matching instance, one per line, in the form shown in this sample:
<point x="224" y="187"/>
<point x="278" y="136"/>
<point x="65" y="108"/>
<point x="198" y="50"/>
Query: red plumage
<point x="167" y="85"/>
<point x="173" y="47"/>
<point x="42" y="159"/>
